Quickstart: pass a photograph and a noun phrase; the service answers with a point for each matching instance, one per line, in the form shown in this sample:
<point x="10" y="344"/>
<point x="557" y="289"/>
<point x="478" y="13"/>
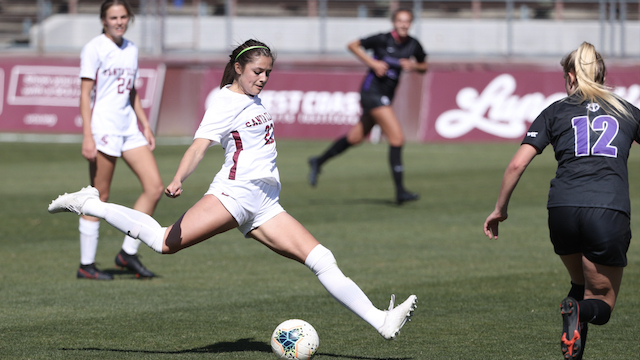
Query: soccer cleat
<point x="570" y="342"/>
<point x="73" y="202"/>
<point x="396" y="317"/>
<point x="91" y="272"/>
<point x="314" y="171"/>
<point x="404" y="196"/>
<point x="132" y="263"/>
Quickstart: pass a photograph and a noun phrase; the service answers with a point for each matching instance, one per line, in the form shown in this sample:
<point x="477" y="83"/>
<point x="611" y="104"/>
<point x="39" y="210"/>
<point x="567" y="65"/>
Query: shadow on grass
<point x="221" y="347"/>
<point x="240" y="345"/>
<point x="125" y="274"/>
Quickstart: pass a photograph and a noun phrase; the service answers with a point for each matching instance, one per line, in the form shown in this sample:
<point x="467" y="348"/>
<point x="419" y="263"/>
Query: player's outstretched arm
<point x="491" y="224"/>
<point x="512" y="175"/>
<point x="379" y="67"/>
<point x="188" y="164"/>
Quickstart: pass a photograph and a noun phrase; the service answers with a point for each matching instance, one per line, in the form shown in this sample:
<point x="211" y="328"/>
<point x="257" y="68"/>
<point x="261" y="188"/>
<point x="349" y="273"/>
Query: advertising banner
<point x="475" y="103"/>
<point x="494" y="105"/>
<point x="43" y="95"/>
<point x="307" y="104"/>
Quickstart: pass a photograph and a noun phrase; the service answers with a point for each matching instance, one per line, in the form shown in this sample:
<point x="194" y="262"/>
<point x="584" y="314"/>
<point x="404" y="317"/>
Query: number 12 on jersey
<point x="607" y="125"/>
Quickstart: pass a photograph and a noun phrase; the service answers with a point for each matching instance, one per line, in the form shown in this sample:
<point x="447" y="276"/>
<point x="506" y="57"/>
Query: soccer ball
<point x="295" y="339"/>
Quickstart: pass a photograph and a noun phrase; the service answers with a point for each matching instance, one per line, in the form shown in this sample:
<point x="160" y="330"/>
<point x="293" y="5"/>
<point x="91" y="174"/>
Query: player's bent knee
<point x="169" y="248"/>
<point x="354" y="140"/>
<point x="320" y="259"/>
<point x="173" y="242"/>
<point x="158" y="190"/>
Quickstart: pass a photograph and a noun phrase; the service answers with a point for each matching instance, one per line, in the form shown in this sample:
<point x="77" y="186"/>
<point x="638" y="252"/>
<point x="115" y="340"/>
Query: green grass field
<point x="478" y="298"/>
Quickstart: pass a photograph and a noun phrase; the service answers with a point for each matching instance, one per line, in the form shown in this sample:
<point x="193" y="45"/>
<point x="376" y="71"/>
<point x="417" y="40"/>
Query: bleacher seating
<point x="17" y="16"/>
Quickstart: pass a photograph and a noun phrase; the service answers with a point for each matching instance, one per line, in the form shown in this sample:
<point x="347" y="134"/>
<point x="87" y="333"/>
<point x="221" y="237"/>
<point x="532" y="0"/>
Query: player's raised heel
<point x="570" y="342"/>
<point x="397" y="317"/>
<point x="73" y="202"/>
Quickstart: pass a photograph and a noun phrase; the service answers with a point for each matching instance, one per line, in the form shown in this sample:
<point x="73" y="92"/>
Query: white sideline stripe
<point x="77" y="139"/>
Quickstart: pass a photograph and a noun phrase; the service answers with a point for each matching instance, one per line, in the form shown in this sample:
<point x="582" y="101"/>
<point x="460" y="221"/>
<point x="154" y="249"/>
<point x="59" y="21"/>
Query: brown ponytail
<point x="243" y="55"/>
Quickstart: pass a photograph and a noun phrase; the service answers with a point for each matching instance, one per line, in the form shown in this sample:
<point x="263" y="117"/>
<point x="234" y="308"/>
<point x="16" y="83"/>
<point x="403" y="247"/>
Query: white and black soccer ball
<point x="295" y="339"/>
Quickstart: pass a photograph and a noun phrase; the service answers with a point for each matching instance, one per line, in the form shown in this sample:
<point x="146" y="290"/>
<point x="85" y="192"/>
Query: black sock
<point x="584" y="329"/>
<point x="577" y="291"/>
<point x="395" y="161"/>
<point x="594" y="311"/>
<point x="338" y="147"/>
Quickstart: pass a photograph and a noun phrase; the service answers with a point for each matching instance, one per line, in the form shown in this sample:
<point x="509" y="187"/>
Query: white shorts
<point x="250" y="202"/>
<point x="115" y="145"/>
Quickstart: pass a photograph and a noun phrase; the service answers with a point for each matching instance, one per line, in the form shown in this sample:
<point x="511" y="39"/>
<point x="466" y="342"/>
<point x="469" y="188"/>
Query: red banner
<point x="469" y="104"/>
<point x="307" y="104"/>
<point x="43" y="95"/>
<point x="492" y="105"/>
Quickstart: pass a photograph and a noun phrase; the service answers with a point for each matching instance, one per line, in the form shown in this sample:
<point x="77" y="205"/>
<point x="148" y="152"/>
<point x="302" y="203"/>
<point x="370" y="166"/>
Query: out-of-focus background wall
<point x="493" y="64"/>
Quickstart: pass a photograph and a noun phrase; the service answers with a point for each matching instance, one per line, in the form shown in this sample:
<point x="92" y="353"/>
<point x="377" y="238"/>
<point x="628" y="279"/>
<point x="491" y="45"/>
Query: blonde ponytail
<point x="588" y="66"/>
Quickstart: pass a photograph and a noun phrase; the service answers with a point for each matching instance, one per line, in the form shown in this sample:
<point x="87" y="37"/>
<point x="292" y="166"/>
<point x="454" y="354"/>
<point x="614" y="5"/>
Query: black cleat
<point x="132" y="263"/>
<point x="404" y="196"/>
<point x="91" y="272"/>
<point x="314" y="171"/>
<point x="571" y="341"/>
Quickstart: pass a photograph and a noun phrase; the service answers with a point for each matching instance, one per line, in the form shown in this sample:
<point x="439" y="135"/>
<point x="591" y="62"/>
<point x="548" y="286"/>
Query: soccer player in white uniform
<point x="244" y="194"/>
<point x="108" y="71"/>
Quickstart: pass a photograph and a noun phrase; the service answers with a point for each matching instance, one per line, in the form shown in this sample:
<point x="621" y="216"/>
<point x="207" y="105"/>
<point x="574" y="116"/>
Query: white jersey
<point x="114" y="70"/>
<point x="244" y="128"/>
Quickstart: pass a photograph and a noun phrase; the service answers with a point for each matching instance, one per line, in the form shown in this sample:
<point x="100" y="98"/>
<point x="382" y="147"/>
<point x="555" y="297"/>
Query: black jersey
<point x="591" y="148"/>
<point x="386" y="48"/>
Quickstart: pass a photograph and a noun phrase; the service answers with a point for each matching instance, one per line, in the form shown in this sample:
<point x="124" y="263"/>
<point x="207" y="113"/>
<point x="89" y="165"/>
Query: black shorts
<point x="601" y="235"/>
<point x="370" y="101"/>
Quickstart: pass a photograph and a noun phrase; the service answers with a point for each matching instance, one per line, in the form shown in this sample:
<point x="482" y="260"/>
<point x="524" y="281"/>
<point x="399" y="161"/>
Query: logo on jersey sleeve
<point x="532" y="134"/>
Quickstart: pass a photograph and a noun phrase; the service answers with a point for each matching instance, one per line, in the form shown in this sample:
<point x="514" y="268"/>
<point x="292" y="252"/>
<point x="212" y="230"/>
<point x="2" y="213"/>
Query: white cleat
<point x="73" y="202"/>
<point x="397" y="317"/>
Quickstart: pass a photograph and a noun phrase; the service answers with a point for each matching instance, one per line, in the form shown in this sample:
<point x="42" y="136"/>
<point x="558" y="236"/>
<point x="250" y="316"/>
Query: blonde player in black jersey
<point x="244" y="194"/>
<point x="393" y="52"/>
<point x="591" y="131"/>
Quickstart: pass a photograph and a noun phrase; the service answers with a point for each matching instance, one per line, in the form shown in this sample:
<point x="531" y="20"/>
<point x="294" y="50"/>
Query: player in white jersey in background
<point x="244" y="194"/>
<point x="108" y="71"/>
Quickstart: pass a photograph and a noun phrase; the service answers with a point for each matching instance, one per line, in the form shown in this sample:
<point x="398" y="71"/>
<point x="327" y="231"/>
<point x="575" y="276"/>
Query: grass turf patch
<point x="478" y="298"/>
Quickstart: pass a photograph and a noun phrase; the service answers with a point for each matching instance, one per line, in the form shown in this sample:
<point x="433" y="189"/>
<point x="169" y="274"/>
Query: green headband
<point x="250" y="48"/>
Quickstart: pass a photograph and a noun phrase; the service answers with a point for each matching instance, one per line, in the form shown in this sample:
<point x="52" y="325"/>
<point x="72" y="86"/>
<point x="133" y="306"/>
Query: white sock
<point x="133" y="223"/>
<point x="89" y="233"/>
<point x="130" y="245"/>
<point x="321" y="261"/>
